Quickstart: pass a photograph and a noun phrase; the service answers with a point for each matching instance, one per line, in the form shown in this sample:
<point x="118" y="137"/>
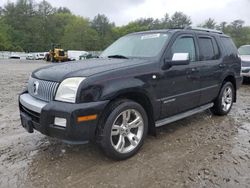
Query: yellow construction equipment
<point x="56" y="54"/>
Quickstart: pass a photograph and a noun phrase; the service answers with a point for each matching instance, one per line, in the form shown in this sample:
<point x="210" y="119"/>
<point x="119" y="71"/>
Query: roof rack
<point x="204" y="30"/>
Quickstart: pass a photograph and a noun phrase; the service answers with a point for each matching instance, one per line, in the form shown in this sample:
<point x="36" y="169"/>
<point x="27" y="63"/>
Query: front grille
<point x="41" y="89"/>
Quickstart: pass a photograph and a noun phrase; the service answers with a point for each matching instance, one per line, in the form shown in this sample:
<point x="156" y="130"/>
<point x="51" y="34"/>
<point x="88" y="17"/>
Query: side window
<point x="184" y="45"/>
<point x="208" y="49"/>
<point x="229" y="46"/>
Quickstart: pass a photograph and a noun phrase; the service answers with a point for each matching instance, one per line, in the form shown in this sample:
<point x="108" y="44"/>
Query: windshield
<point x="137" y="45"/>
<point x="244" y="50"/>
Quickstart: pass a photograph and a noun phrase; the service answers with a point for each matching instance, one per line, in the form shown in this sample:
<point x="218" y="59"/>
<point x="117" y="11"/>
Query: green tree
<point x="165" y="22"/>
<point x="104" y="29"/>
<point x="1" y="11"/>
<point x="64" y="10"/>
<point x="237" y="31"/>
<point x="179" y="20"/>
<point x="129" y="28"/>
<point x="18" y="16"/>
<point x="45" y="24"/>
<point x="5" y="40"/>
<point x="210" y="24"/>
<point x="78" y="35"/>
<point x="222" y="26"/>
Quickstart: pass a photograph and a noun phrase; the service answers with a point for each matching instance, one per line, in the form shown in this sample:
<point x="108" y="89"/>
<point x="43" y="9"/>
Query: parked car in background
<point x="244" y="52"/>
<point x="142" y="81"/>
<point x="14" y="56"/>
<point x="87" y="56"/>
<point x="40" y="56"/>
<point x="74" y="55"/>
<point x="30" y="56"/>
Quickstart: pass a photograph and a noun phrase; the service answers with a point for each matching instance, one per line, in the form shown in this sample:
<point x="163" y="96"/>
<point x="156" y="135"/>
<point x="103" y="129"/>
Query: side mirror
<point x="177" y="59"/>
<point x="180" y="57"/>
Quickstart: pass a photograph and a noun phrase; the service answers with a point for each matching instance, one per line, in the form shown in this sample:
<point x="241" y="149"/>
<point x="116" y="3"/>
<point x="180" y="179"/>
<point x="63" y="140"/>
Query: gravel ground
<point x="199" y="151"/>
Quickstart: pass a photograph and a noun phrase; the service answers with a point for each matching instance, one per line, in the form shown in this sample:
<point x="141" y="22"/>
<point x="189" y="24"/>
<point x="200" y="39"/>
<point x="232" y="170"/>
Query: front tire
<point x="122" y="132"/>
<point x="224" y="101"/>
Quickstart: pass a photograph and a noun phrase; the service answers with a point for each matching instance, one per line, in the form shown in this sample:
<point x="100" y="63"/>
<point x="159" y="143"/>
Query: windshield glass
<point x="244" y="50"/>
<point x="137" y="45"/>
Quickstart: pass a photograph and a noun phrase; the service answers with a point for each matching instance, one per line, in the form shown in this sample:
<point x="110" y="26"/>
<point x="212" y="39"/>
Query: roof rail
<point x="204" y="30"/>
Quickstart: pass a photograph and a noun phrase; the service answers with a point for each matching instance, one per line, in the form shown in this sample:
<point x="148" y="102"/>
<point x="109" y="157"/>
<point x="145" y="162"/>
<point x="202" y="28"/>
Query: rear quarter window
<point x="229" y="46"/>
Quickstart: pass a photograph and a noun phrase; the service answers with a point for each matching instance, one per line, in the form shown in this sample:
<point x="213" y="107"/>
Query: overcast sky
<point x="123" y="11"/>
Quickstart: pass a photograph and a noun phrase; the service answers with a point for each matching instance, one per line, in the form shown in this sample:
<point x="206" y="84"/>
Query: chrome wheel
<point x="127" y="131"/>
<point x="227" y="99"/>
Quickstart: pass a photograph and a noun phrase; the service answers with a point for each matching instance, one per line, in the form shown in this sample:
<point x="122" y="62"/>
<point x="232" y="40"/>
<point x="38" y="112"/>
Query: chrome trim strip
<point x="183" y="115"/>
<point x="194" y="91"/>
<point x="32" y="103"/>
<point x="169" y="101"/>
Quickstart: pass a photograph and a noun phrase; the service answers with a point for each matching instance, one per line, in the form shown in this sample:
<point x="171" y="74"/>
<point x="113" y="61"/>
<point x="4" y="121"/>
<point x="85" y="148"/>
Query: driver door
<point x="179" y="88"/>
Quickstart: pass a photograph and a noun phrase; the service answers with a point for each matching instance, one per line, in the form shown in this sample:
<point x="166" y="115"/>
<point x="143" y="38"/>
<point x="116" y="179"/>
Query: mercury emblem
<point x="36" y="85"/>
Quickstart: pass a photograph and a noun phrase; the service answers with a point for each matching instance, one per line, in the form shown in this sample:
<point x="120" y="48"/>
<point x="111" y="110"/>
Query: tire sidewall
<point x="106" y="142"/>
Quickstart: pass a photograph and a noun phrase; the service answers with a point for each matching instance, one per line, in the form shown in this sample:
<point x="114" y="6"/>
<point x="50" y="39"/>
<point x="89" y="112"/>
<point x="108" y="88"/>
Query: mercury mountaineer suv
<point x="142" y="81"/>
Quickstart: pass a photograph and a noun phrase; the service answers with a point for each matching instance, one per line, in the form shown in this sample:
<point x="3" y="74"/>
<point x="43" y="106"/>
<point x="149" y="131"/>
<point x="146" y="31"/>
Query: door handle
<point x="191" y="73"/>
<point x="222" y="65"/>
<point x="194" y="70"/>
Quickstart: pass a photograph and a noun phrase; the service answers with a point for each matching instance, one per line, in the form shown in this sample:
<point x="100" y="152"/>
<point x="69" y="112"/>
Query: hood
<point x="86" y="68"/>
<point x="245" y="58"/>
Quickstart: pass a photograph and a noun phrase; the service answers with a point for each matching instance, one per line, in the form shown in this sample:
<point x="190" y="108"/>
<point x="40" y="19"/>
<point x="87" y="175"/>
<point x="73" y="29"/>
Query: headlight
<point x="67" y="90"/>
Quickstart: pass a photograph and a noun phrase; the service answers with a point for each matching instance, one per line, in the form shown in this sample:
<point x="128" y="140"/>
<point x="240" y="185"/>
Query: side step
<point x="183" y="115"/>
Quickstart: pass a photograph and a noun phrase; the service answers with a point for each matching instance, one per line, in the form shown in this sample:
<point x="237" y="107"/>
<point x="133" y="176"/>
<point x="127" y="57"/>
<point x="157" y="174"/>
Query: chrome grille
<point x="41" y="89"/>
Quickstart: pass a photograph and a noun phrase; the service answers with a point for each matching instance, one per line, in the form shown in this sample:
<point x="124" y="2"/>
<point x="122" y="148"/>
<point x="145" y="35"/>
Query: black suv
<point x="142" y="81"/>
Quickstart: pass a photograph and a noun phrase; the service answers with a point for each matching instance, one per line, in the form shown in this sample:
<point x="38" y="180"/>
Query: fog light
<point x="61" y="122"/>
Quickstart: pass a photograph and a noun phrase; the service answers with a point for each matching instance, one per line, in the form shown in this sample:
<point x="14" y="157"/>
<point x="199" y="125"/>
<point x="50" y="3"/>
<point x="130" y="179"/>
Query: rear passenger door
<point x="211" y="67"/>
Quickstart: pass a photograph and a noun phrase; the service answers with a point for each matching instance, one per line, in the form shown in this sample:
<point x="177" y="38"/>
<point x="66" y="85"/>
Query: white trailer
<point x="74" y="55"/>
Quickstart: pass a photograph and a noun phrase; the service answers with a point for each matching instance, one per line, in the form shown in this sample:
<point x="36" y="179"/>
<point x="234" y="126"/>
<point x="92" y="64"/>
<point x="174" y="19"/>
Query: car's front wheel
<point x="124" y="129"/>
<point x="224" y="101"/>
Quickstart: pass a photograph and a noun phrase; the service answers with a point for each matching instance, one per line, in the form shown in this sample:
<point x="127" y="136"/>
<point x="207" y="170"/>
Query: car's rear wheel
<point x="224" y="101"/>
<point x="124" y="129"/>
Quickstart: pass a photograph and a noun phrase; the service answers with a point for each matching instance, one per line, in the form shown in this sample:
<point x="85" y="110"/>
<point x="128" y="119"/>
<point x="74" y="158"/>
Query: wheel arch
<point x="142" y="99"/>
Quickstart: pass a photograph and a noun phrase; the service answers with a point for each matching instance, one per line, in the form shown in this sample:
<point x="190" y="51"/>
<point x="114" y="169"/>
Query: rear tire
<point x="224" y="101"/>
<point x="122" y="129"/>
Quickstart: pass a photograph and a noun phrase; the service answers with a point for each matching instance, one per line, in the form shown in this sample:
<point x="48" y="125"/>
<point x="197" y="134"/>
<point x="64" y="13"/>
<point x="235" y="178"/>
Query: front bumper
<point x="41" y="116"/>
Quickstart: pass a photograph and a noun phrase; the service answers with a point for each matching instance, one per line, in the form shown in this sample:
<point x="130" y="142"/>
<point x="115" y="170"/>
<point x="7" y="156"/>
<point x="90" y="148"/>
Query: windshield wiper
<point x="118" y="56"/>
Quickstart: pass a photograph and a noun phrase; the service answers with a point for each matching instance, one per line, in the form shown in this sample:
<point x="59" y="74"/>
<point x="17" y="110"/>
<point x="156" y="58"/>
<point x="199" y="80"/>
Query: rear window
<point x="229" y="46"/>
<point x="208" y="49"/>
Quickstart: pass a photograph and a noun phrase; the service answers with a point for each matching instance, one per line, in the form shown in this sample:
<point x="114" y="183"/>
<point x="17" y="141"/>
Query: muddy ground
<point x="199" y="151"/>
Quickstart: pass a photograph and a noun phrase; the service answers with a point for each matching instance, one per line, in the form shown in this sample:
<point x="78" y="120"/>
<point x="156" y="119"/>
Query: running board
<point x="183" y="115"/>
